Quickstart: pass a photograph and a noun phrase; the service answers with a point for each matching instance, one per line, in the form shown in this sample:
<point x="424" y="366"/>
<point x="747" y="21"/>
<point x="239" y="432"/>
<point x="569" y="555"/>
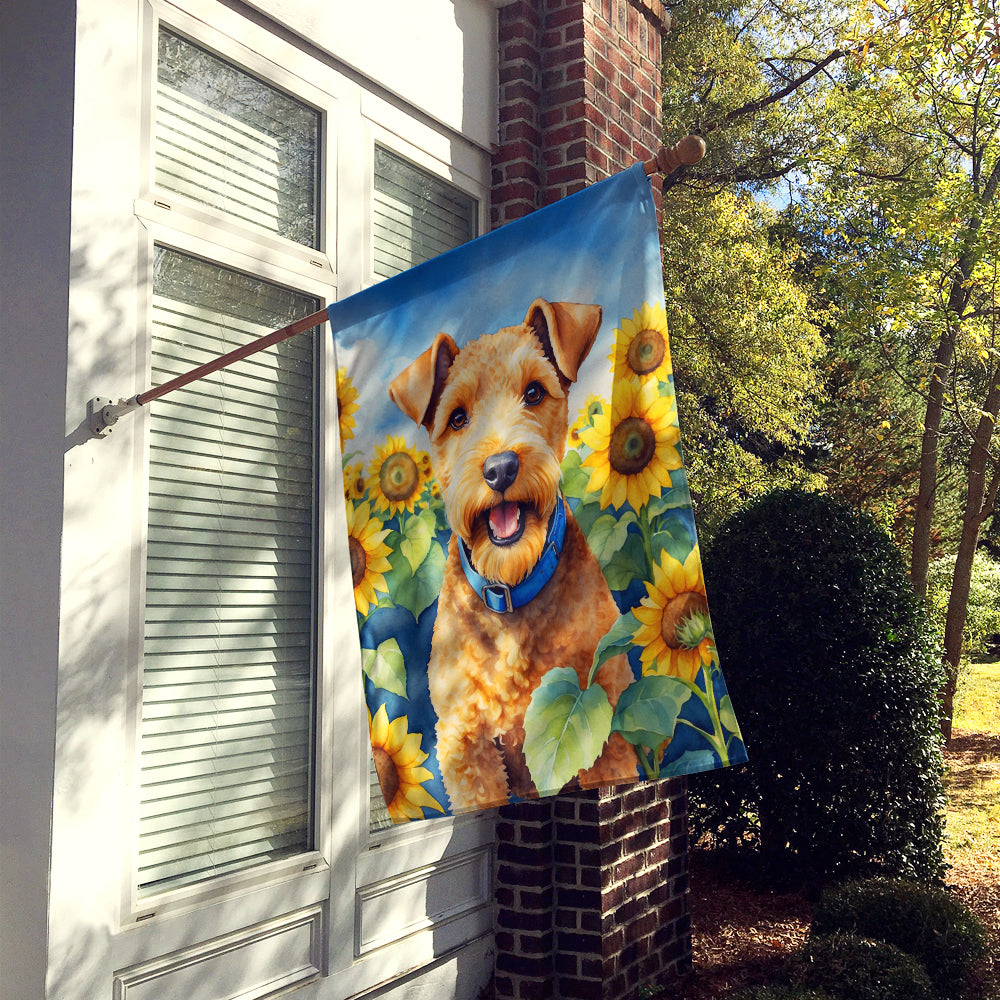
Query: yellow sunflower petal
<point x="378" y="726"/>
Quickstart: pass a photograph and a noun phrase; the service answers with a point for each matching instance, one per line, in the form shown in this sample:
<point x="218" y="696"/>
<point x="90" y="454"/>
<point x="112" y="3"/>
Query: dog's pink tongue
<point x="503" y="519"/>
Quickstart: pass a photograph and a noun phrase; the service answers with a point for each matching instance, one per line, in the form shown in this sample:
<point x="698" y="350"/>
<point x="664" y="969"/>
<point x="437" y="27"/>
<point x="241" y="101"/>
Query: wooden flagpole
<point x="103" y="413"/>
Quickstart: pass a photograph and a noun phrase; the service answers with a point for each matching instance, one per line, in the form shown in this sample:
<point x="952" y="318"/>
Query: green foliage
<point x="926" y="922"/>
<point x="983" y="610"/>
<point x="834" y="674"/>
<point x="781" y="992"/>
<point x="747" y="353"/>
<point x="856" y="968"/>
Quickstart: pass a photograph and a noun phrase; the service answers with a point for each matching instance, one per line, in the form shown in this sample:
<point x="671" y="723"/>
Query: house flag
<point x="530" y="602"/>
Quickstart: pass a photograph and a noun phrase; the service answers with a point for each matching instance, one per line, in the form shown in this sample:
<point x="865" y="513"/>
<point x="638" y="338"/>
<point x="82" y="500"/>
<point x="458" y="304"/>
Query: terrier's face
<point x="497" y="439"/>
<point x="496" y="412"/>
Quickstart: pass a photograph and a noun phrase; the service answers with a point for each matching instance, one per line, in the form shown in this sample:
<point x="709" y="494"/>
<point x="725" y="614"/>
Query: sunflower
<point x="365" y="541"/>
<point x="398" y="758"/>
<point x="634" y="444"/>
<point x="354" y="481"/>
<point x="674" y="631"/>
<point x="397" y="475"/>
<point x="346" y="405"/>
<point x="593" y="405"/>
<point x="641" y="345"/>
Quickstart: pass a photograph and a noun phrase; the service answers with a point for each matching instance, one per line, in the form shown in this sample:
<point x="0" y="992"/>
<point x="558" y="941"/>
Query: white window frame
<point x="180" y="224"/>
<point x="352" y="873"/>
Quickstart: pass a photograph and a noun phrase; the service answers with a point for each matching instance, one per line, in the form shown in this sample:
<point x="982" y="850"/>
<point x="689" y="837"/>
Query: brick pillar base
<point x="591" y="893"/>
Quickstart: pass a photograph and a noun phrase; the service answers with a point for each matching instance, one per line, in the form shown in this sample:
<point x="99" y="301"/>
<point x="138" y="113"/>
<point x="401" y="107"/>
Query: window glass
<point x="228" y="656"/>
<point x="416" y="215"/>
<point x="233" y="142"/>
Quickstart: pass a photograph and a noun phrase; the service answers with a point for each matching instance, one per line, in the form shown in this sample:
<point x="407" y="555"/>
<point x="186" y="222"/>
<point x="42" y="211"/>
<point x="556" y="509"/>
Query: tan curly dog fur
<point x="497" y="412"/>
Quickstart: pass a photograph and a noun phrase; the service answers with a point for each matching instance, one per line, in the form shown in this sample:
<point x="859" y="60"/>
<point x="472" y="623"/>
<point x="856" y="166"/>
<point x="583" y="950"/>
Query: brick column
<point x="591" y="888"/>
<point x="579" y="96"/>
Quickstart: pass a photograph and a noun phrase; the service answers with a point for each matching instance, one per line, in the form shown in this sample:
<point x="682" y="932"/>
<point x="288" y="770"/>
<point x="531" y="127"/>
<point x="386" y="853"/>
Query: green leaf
<point x="628" y="564"/>
<point x="385" y="668"/>
<point x="648" y="709"/>
<point x="617" y="640"/>
<point x="418" y="536"/>
<point x="575" y="479"/>
<point x="671" y="534"/>
<point x="727" y="716"/>
<point x="565" y="728"/>
<point x="418" y="591"/>
<point x="608" y="535"/>
<point x="587" y="512"/>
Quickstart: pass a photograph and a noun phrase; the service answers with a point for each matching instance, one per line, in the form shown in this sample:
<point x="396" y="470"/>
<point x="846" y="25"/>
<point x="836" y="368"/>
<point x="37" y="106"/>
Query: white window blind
<point x="228" y="140"/>
<point x="228" y="675"/>
<point x="416" y="215"/>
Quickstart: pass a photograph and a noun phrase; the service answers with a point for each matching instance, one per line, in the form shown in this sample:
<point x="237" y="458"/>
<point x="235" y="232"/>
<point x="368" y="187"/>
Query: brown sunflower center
<point x="633" y="444"/>
<point x="678" y="610"/>
<point x="646" y="352"/>
<point x="399" y="477"/>
<point x="359" y="559"/>
<point x="388" y="776"/>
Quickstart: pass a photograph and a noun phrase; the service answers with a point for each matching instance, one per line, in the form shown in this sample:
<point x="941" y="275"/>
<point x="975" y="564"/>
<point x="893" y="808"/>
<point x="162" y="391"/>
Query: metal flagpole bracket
<point x="103" y="413"/>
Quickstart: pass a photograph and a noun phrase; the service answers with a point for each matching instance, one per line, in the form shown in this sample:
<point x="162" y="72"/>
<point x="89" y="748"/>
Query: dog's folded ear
<point x="567" y="331"/>
<point x="416" y="389"/>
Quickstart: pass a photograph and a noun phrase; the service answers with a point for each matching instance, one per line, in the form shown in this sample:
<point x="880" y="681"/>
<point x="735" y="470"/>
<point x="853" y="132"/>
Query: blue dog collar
<point x="503" y="599"/>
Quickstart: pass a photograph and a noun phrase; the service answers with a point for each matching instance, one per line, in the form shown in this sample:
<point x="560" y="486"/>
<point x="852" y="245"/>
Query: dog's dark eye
<point x="458" y="419"/>
<point x="534" y="394"/>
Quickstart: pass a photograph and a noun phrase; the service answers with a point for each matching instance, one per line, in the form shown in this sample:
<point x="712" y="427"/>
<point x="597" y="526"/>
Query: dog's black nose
<point x="500" y="470"/>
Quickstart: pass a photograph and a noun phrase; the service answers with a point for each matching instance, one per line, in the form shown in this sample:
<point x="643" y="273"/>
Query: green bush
<point x="856" y="968"/>
<point x="925" y="922"/>
<point x="782" y="993"/>
<point x="982" y="619"/>
<point x="833" y="672"/>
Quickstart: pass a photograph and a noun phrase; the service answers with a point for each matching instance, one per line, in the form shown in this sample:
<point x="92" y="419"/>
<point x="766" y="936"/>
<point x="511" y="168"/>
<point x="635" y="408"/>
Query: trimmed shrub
<point x="834" y="673"/>
<point x="782" y="993"/>
<point x="924" y="921"/>
<point x="857" y="968"/>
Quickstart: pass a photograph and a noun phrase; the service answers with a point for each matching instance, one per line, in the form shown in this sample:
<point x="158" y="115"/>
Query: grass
<point x="973" y="784"/>
<point x="978" y="697"/>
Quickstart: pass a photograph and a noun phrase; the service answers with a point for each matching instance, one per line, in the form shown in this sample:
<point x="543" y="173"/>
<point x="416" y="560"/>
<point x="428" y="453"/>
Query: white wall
<point x="36" y="108"/>
<point x="415" y="49"/>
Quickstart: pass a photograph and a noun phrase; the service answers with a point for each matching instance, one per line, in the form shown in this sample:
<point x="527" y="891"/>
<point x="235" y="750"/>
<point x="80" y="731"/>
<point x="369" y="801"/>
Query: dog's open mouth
<point x="505" y="522"/>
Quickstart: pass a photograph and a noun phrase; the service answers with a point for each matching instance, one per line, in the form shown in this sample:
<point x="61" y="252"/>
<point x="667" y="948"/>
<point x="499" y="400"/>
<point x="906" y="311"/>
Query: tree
<point x="914" y="184"/>
<point x="748" y="359"/>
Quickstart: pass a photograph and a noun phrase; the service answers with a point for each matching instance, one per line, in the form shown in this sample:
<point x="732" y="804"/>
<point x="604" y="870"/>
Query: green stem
<point x="716" y="740"/>
<point x="651" y="767"/>
<point x="642" y="519"/>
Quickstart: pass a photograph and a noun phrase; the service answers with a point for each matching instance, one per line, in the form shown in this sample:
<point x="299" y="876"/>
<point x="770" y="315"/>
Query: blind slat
<point x="228" y="645"/>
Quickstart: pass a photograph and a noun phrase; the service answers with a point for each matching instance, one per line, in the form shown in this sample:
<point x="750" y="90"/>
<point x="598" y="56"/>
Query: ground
<point x="741" y="935"/>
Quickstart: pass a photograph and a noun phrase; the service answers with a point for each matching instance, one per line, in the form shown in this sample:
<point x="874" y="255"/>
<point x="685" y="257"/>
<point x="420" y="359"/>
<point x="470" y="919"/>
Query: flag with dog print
<point x="527" y="580"/>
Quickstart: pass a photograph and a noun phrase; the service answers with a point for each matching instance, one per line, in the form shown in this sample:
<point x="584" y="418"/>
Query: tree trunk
<point x="920" y="553"/>
<point x="979" y="502"/>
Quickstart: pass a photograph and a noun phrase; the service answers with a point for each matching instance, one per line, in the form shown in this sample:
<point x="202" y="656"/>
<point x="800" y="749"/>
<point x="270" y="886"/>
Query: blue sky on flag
<point x="396" y="320"/>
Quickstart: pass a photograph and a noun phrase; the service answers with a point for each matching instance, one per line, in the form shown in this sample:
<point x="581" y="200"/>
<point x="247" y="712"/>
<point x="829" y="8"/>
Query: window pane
<point x="228" y="140"/>
<point x="228" y="678"/>
<point x="417" y="215"/>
